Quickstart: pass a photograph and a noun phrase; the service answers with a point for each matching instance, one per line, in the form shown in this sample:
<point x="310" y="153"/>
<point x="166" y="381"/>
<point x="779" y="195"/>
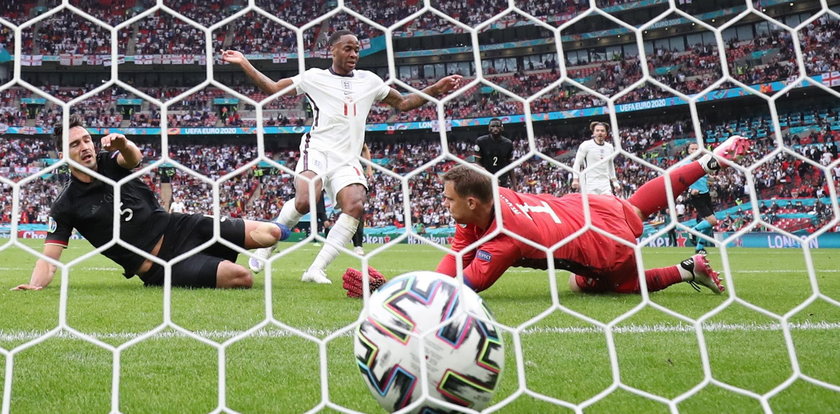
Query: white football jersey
<point x="340" y="106"/>
<point x="588" y="154"/>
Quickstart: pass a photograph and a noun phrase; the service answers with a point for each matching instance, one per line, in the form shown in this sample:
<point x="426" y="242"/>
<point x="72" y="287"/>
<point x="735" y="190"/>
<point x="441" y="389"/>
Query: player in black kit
<point x="494" y="151"/>
<point x="87" y="204"/>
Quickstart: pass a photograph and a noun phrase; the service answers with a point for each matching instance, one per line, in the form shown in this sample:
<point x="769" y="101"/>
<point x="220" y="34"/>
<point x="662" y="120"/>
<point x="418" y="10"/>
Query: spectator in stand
<point x="177" y="206"/>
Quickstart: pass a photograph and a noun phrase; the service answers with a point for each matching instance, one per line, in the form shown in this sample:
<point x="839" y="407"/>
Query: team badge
<point x="52" y="225"/>
<point x="484" y="255"/>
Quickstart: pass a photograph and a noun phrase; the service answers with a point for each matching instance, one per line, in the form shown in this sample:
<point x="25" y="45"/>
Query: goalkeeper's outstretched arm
<point x="43" y="272"/>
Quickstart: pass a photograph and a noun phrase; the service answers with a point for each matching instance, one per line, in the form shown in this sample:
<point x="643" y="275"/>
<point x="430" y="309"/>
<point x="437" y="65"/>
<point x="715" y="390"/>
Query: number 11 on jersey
<point x="346" y="109"/>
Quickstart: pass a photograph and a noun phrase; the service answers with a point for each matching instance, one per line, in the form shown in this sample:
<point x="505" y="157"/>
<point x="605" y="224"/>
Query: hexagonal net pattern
<point x="618" y="377"/>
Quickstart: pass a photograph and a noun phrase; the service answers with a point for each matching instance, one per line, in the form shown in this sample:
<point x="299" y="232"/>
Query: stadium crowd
<point x="257" y="34"/>
<point x="162" y="33"/>
<point x="762" y="59"/>
<point x="820" y="48"/>
<point x="689" y="71"/>
<point x="259" y="194"/>
<point x="18" y="12"/>
<point x="113" y="12"/>
<point x="765" y="58"/>
<point x="198" y="109"/>
<point x="66" y="32"/>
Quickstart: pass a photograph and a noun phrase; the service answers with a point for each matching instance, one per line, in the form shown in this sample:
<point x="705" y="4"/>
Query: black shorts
<point x="703" y="204"/>
<point x="321" y="209"/>
<point x="186" y="232"/>
<point x="504" y="180"/>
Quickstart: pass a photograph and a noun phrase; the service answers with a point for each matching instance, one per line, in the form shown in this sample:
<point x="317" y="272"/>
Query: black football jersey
<point x="89" y="208"/>
<point x="495" y="154"/>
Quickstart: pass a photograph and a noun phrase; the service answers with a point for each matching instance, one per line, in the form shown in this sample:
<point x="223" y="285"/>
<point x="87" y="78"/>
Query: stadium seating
<point x="262" y="197"/>
<point x="764" y="58"/>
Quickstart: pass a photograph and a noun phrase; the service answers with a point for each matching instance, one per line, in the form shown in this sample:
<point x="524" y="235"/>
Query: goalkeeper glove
<point x="353" y="281"/>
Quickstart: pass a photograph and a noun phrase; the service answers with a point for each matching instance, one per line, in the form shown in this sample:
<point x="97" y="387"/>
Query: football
<point x="461" y="347"/>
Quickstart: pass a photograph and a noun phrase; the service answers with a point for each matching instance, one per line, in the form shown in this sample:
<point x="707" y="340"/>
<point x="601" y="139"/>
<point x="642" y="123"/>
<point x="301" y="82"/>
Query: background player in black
<point x="495" y="151"/>
<point x="359" y="236"/>
<point x="323" y="220"/>
<point x="87" y="204"/>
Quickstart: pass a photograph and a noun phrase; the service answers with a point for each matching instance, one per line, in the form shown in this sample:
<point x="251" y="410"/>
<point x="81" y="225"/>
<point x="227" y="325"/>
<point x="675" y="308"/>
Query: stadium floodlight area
<point x="520" y="386"/>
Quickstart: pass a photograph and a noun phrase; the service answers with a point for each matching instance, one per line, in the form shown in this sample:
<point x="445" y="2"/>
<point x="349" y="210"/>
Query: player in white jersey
<point x="341" y="98"/>
<point x="600" y="179"/>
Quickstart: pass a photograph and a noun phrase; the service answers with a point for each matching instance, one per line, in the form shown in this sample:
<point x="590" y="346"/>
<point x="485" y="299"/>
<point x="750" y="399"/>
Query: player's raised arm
<point x="258" y="78"/>
<point x="43" y="272"/>
<point x="408" y="102"/>
<point x="129" y="157"/>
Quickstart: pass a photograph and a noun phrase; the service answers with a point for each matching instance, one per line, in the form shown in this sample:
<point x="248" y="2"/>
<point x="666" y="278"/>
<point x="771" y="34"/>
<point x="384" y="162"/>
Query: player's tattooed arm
<point x="260" y="80"/>
<point x="413" y="100"/>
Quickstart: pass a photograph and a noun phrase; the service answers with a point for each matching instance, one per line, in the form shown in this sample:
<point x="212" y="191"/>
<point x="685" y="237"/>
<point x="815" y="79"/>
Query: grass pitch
<point x="262" y="348"/>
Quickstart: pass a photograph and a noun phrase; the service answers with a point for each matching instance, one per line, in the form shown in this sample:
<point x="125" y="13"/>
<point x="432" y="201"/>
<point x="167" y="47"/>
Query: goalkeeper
<point x="598" y="263"/>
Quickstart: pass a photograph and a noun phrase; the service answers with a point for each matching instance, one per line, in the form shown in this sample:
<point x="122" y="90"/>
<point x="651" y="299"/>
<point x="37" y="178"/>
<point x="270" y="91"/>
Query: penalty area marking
<point x="513" y="270"/>
<point x="96" y="269"/>
<point x="14" y="336"/>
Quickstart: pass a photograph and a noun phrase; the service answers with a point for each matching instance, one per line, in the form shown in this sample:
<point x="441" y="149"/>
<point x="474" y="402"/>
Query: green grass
<point x="564" y="357"/>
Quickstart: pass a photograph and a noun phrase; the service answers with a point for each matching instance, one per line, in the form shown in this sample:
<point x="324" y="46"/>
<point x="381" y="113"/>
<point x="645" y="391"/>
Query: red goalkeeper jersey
<point x="546" y="220"/>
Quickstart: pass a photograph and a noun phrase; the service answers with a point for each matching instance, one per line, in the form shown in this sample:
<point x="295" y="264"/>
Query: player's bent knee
<point x="355" y="209"/>
<point x="233" y="276"/>
<point x="302" y="205"/>
<point x="352" y="201"/>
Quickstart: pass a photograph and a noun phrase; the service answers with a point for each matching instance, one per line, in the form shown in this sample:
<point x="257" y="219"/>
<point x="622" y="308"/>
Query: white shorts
<point x="336" y="171"/>
<point x="596" y="187"/>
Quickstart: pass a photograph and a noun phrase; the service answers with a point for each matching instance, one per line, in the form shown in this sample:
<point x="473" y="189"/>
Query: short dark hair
<point x="75" y="121"/>
<point x="335" y="37"/>
<point x="470" y="182"/>
<point x="593" y="124"/>
<point x="687" y="146"/>
<point x="496" y="120"/>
